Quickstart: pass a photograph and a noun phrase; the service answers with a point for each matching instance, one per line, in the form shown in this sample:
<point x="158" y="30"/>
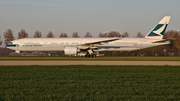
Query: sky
<point x="83" y="16"/>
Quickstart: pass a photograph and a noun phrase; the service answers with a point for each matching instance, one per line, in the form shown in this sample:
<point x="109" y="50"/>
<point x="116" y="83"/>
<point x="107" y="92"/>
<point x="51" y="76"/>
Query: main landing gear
<point x="90" y="53"/>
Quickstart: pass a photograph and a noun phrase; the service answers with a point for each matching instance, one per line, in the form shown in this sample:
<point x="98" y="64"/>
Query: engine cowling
<point x="70" y="50"/>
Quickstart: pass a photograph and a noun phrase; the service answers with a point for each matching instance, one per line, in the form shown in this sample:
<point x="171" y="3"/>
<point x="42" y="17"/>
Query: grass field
<point x="102" y="83"/>
<point x="92" y="59"/>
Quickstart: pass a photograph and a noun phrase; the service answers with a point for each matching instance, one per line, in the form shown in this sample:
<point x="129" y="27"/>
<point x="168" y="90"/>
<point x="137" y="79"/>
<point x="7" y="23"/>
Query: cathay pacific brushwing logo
<point x="158" y="31"/>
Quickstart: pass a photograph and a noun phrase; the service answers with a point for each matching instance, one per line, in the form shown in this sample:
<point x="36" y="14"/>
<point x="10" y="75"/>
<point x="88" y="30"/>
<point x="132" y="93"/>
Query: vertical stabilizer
<point x="158" y="31"/>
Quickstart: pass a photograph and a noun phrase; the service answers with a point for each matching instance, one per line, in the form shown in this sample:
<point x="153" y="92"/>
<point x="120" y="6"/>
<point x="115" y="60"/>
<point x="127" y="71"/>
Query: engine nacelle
<point x="70" y="50"/>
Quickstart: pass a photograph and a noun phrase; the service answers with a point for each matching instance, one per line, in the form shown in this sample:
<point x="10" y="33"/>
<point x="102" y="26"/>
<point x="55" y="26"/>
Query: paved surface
<point x="172" y="63"/>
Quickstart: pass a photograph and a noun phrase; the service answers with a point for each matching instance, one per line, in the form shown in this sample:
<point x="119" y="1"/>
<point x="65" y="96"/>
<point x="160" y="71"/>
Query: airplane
<point x="89" y="46"/>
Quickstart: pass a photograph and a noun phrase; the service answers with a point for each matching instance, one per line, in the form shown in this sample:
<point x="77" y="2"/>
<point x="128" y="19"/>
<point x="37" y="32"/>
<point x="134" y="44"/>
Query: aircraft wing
<point x="96" y="43"/>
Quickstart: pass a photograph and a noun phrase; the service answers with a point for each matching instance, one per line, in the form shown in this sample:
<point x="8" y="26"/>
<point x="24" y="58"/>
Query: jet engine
<point x="70" y="50"/>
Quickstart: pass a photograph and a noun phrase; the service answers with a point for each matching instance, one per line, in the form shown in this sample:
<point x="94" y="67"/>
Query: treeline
<point x="8" y="35"/>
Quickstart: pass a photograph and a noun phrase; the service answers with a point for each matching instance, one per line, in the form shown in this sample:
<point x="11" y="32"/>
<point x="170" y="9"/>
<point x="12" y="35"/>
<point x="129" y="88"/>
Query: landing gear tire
<point x="94" y="55"/>
<point x="87" y="55"/>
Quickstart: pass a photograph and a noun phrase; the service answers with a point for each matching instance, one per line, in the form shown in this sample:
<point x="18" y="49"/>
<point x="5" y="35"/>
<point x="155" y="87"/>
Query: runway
<point x="158" y="63"/>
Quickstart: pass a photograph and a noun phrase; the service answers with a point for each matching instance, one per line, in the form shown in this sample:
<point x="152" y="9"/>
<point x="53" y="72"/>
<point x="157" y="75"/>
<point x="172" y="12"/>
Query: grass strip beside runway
<point x="89" y="83"/>
<point x="90" y="58"/>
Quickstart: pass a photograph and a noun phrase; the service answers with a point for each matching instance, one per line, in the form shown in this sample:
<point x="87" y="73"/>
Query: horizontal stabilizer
<point x="164" y="40"/>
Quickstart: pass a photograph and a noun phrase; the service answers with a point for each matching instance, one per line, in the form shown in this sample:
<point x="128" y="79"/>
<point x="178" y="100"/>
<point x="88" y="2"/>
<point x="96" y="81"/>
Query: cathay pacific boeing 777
<point x="73" y="46"/>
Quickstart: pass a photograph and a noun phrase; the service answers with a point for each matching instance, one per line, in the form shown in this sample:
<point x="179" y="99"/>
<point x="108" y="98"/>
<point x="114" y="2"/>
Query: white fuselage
<point x="58" y="44"/>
